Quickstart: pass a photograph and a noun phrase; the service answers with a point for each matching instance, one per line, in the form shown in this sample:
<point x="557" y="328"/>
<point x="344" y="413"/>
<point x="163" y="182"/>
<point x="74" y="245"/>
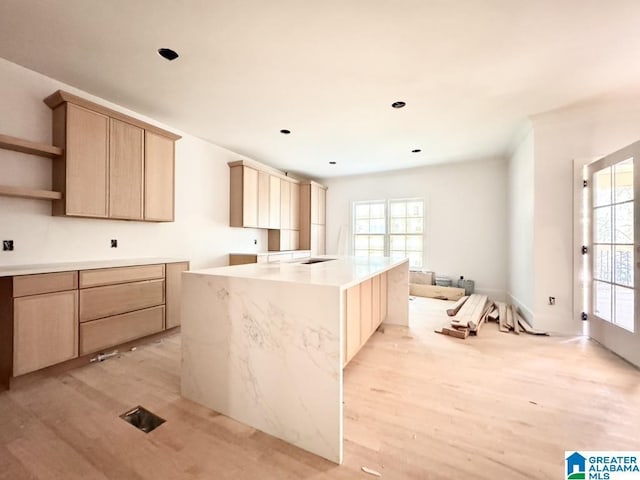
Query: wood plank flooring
<point x="417" y="405"/>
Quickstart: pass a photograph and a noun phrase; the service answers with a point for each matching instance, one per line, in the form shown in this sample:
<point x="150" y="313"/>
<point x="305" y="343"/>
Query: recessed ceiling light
<point x="398" y="104"/>
<point x="285" y="132"/>
<point x="417" y="150"/>
<point x="168" y="53"/>
<point x="332" y="163"/>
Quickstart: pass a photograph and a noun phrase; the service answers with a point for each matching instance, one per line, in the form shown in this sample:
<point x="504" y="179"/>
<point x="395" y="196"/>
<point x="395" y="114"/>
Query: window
<point x="391" y="228"/>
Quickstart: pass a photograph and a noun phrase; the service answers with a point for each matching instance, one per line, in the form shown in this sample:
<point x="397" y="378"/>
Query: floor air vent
<point x="142" y="419"/>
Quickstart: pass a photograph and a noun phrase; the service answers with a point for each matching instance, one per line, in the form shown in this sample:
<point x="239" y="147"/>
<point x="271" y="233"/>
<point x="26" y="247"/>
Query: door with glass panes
<point x="612" y="250"/>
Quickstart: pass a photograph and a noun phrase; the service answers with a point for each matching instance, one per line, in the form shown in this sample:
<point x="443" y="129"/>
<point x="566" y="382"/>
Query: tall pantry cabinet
<point x="313" y="197"/>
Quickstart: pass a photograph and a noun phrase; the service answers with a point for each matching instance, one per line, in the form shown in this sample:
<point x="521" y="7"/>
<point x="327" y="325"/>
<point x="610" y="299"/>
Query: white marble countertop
<point x="342" y="272"/>
<point x="14" y="270"/>
<point x="273" y="252"/>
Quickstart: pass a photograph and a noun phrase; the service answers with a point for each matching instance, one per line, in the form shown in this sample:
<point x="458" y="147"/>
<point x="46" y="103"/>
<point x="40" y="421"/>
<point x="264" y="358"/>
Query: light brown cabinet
<point x="112" y="166"/>
<point x="50" y="318"/>
<point x="126" y="171"/>
<point x="173" y="282"/>
<point x="82" y="174"/>
<point x="365" y="307"/>
<point x="159" y="182"/>
<point x="45" y="325"/>
<point x="264" y="199"/>
<point x="99" y="302"/>
<point x="275" y="206"/>
<point x="313" y="217"/>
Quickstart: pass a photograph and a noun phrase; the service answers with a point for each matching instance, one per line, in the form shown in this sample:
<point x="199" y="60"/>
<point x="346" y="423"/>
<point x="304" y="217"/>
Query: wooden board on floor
<point x="471" y="311"/>
<point x="456" y="306"/>
<point x="502" y="317"/>
<point x="454" y="332"/>
<point x="435" y="291"/>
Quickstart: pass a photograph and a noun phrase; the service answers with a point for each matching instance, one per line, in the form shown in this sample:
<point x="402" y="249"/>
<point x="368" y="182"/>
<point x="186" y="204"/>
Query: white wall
<point x="587" y="130"/>
<point x="200" y="232"/>
<point x="521" y="232"/>
<point x="465" y="216"/>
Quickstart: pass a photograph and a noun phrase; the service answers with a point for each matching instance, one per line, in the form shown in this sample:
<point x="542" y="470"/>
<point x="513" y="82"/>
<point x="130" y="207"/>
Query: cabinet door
<point x="173" y="292"/>
<point x="295" y="206"/>
<point x="126" y="171"/>
<point x="322" y="206"/>
<point x="285" y="204"/>
<point x="383" y="297"/>
<point x="263" y="199"/>
<point x="249" y="197"/>
<point x="274" y="202"/>
<point x="315" y="213"/>
<point x="45" y="330"/>
<point x="87" y="155"/>
<point x="318" y="240"/>
<point x="375" y="302"/>
<point x="353" y="321"/>
<point x="366" y="311"/>
<point x="294" y="239"/>
<point x="158" y="178"/>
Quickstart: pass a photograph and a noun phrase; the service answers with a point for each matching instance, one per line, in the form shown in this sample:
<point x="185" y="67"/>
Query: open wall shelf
<point x="26" y="146"/>
<point x="32" y="148"/>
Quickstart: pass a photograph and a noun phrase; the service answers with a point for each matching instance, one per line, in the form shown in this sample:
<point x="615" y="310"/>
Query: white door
<point x="613" y="245"/>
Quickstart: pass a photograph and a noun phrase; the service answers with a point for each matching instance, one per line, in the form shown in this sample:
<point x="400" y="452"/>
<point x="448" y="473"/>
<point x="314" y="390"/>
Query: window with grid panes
<point x="369" y="229"/>
<point x="391" y="228"/>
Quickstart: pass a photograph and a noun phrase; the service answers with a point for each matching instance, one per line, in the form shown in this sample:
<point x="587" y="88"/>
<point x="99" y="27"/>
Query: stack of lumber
<point x="470" y="313"/>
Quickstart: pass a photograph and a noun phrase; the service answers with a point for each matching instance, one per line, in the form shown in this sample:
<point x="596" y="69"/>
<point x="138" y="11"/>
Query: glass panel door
<point x="614" y="233"/>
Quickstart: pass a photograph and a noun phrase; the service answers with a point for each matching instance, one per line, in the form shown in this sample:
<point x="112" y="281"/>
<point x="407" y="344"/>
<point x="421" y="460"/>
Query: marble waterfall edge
<point x="267" y="354"/>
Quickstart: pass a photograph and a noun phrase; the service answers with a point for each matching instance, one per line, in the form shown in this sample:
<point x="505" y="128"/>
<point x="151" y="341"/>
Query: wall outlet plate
<point x="7" y="245"/>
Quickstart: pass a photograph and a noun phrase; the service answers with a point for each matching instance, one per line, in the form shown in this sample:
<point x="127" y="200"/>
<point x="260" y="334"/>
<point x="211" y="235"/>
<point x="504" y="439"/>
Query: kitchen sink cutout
<point x="142" y="419"/>
<point x="317" y="260"/>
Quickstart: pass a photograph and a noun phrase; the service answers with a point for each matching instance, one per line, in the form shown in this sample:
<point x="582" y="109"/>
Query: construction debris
<point x="456" y="306"/>
<point x="371" y="471"/>
<point x="435" y="291"/>
<point x="470" y="313"/>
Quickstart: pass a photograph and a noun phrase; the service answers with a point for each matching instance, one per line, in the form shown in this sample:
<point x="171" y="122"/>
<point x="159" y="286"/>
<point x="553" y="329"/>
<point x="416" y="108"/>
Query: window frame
<point x="387" y="223"/>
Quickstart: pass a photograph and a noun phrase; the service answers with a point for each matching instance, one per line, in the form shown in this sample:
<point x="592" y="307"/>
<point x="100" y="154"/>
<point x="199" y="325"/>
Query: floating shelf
<point x="26" y="146"/>
<point x="32" y="148"/>
<point x="22" y="192"/>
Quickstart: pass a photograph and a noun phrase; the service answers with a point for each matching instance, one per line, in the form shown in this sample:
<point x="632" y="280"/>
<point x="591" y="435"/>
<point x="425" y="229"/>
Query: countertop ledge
<point x="340" y="271"/>
<point x="16" y="270"/>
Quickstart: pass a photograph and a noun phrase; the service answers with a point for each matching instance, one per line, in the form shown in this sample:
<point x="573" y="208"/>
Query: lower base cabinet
<point x="106" y="332"/>
<point x="365" y="308"/>
<point x="50" y="318"/>
<point x="45" y="330"/>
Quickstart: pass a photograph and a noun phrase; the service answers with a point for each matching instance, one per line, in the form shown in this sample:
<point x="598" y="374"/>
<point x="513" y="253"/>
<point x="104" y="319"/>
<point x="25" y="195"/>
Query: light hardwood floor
<point x="417" y="406"/>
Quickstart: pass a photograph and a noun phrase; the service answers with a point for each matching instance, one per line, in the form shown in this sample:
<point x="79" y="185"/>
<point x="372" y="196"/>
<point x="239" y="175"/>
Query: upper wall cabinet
<point x="313" y="197"/>
<point x="261" y="198"/>
<point x="113" y="166"/>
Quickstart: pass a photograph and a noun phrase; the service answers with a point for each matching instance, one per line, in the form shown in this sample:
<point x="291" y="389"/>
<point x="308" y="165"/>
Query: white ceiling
<point x="471" y="71"/>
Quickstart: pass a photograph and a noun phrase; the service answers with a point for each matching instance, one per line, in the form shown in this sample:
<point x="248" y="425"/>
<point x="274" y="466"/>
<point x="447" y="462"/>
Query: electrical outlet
<point x="7" y="245"/>
<point x="114" y="243"/>
<point x="552" y="300"/>
<point x="255" y="241"/>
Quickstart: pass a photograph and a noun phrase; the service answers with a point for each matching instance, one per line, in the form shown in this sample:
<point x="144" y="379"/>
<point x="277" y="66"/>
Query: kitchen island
<point x="265" y="344"/>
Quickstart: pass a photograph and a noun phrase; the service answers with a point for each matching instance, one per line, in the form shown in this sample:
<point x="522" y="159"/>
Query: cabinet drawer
<point x="109" y="276"/>
<point x="108" y="332"/>
<point x="44" y="283"/>
<point x="45" y="330"/>
<point x="99" y="302"/>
